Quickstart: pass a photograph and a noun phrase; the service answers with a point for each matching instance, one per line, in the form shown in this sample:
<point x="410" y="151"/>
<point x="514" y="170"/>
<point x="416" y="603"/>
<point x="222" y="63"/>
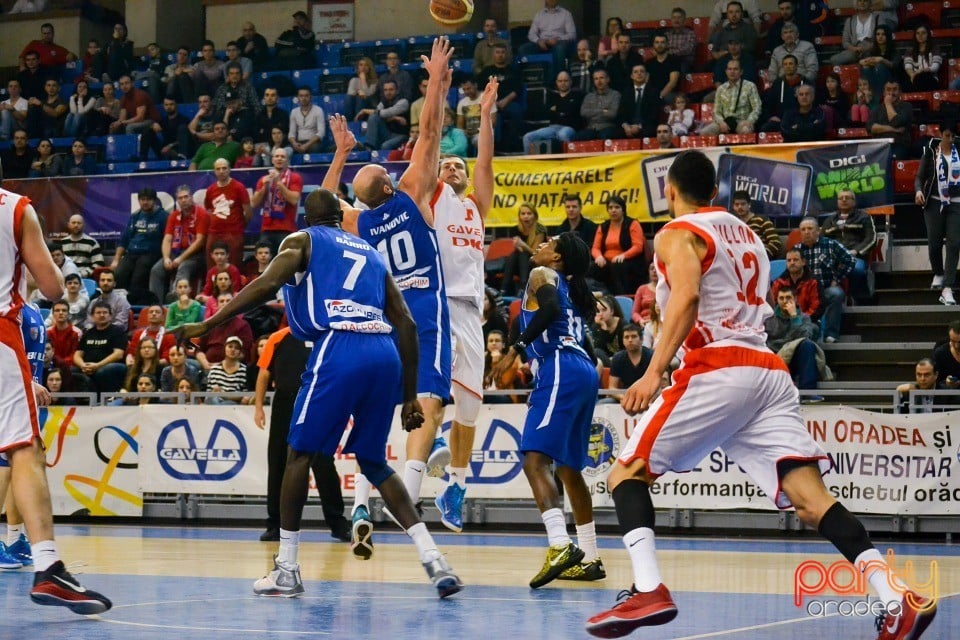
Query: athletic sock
<point x="426" y="547"/>
<point x="361" y="492"/>
<point x="556" y="526"/>
<point x="44" y="555"/>
<point x="587" y="540"/>
<point x="413" y="471"/>
<point x="880" y="575"/>
<point x="845" y="531"/>
<point x="13" y="533"/>
<point x="289" y="547"/>
<point x="458" y="476"/>
<point x="643" y="555"/>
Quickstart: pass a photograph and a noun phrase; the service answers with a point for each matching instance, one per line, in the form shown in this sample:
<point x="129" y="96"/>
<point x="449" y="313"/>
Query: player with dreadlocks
<point x="557" y="429"/>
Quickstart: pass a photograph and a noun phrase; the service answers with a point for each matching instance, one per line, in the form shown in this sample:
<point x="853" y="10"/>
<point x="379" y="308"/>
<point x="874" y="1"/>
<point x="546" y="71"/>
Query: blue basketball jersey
<point x="566" y="332"/>
<point x="342" y="289"/>
<point x="34" y="339"/>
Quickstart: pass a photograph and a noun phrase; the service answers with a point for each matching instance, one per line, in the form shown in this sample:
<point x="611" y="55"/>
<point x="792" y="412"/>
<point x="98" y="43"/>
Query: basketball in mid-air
<point x="451" y="13"/>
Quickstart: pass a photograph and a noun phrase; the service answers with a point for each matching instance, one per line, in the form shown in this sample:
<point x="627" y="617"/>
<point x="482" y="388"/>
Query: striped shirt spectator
<point x="760" y="225"/>
<point x="81" y="248"/>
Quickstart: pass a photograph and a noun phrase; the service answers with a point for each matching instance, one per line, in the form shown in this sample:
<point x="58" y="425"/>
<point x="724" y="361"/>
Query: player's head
<point x="454" y="171"/>
<point x="372" y="185"/>
<point x="322" y="207"/>
<point x="691" y="181"/>
<point x="569" y="255"/>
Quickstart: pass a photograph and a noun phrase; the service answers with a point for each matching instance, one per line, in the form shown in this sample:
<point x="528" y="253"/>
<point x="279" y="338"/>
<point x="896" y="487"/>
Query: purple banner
<point x="776" y="188"/>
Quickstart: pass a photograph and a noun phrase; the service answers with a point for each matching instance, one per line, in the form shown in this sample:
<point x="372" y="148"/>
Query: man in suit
<point x="639" y="106"/>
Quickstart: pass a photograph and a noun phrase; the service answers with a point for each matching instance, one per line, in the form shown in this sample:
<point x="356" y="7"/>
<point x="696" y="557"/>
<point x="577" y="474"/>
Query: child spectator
<point x="220" y="254"/>
<point x="185" y="309"/>
<point x="262" y="256"/>
<point x="247" y="154"/>
<point x="680" y="118"/>
<point x="860" y="111"/>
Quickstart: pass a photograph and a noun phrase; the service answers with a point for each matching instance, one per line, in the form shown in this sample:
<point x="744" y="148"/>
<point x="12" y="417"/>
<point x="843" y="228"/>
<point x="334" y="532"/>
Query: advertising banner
<point x="862" y="167"/>
<point x="776" y="188"/>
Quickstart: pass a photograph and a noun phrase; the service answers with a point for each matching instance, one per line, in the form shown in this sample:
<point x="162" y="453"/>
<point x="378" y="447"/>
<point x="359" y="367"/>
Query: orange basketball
<point x="451" y="13"/>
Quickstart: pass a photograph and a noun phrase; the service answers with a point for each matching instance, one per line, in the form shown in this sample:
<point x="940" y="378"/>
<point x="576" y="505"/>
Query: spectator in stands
<point x="416" y="107"/>
<point x="229" y="375"/>
<point x="139" y="246"/>
<point x="807" y="290"/>
<point x="400" y="77"/>
<point x="645" y="296"/>
<point x="804" y="53"/>
<point x="552" y="31"/>
<point x="278" y="142"/>
<point x="854" y="229"/>
<point x="119" y="54"/>
<point x="254" y="46"/>
<point x="223" y="282"/>
<point x="307" y="125"/>
<point x="98" y="360"/>
<point x="509" y="91"/>
<point x="295" y="46"/>
<point x="17" y="160"/>
<point x="32" y="77"/>
<point x="80" y="247"/>
<point x="865" y="103"/>
<point x="201" y="127"/>
<point x="262" y="256"/>
<point x="925" y="379"/>
<point x="65" y="264"/>
<point x="922" y="65"/>
<point x="178" y="78"/>
<point x="179" y="368"/>
<point x="228" y="204"/>
<point x="887" y="12"/>
<point x="13" y="111"/>
<point x="183" y="248"/>
<point x="832" y="95"/>
<point x="81" y="104"/>
<point x="829" y="264"/>
<point x="735" y="26"/>
<point x="235" y="89"/>
<point x="664" y="139"/>
<point x="680" y="120"/>
<point x="781" y="97"/>
<point x="388" y="124"/>
<point x="599" y="110"/>
<point x="630" y="363"/>
<point x="946" y="358"/>
<point x="581" y="67"/>
<point x="492" y="318"/>
<point x="45" y="163"/>
<point x="736" y="106"/>
<point x="883" y="61"/>
<point x="792" y="335"/>
<point x="170" y="138"/>
<point x="137" y="110"/>
<point x="279" y="194"/>
<point x="740" y="201"/>
<point x="270" y="117"/>
<point x="454" y="140"/>
<point x="563" y="107"/>
<point x="787" y="12"/>
<point x="46" y="116"/>
<point x="807" y="122"/>
<point x="63" y="335"/>
<point x="94" y="62"/>
<point x="105" y="112"/>
<point x="483" y="51"/>
<point x="150" y="76"/>
<point x="220" y="257"/>
<point x="620" y="65"/>
<point x="117" y="300"/>
<point x="29" y="6"/>
<point x="154" y="331"/>
<point x="184" y="309"/>
<point x="362" y="89"/>
<point x="608" y="42"/>
<point x="53" y="380"/>
<point x="574" y="220"/>
<point x="495" y="346"/>
<point x="607" y="328"/>
<point x="748" y="67"/>
<point x="207" y="73"/>
<point x="681" y="40"/>
<point x="663" y="70"/>
<point x="893" y="118"/>
<point x="234" y="57"/>
<point x="142" y="357"/>
<point x="640" y="106"/>
<point x="937" y="187"/>
<point x="857" y="36"/>
<point x="618" y="250"/>
<point x="77" y="298"/>
<point x="720" y="14"/>
<point x="51" y="55"/>
<point x="468" y="110"/>
<point x="212" y="345"/>
<point x="78" y="163"/>
<point x="529" y="235"/>
<point x="219" y="147"/>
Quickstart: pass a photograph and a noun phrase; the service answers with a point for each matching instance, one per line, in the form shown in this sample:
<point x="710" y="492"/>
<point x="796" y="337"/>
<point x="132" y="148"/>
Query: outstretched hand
<point x="439" y="61"/>
<point x="342" y="134"/>
<point x="411" y="415"/>
<point x="489" y="96"/>
<point x="186" y="332"/>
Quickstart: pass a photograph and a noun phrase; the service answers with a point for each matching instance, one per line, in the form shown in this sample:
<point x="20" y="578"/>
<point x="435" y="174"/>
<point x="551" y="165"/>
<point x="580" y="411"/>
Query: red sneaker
<point x="915" y="615"/>
<point x="634" y="609"/>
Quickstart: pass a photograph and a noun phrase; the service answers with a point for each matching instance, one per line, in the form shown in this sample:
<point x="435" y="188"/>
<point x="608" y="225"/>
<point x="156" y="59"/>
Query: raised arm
<point x="345" y="141"/>
<point x="483" y="168"/>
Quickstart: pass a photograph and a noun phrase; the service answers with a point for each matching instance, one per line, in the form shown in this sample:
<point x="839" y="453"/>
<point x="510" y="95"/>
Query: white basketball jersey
<point x="459" y="229"/>
<point x="13" y="286"/>
<point x="735" y="278"/>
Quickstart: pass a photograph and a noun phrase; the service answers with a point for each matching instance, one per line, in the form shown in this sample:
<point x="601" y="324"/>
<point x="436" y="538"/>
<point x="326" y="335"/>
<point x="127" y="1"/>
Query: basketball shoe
<point x="284" y="581"/>
<point x="914" y="616"/>
<point x="634" y="609"/>
<point x="442" y="576"/>
<point x="56" y="587"/>
<point x="559" y="559"/>
<point x="361" y="540"/>
<point x="450" y="504"/>
<point x="8" y="561"/>
<point x="21" y="550"/>
<point x="585" y="571"/>
<point x="440" y="456"/>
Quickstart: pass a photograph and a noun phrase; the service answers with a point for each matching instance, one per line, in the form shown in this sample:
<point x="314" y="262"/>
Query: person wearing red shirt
<point x="212" y="346"/>
<point x="64" y="337"/>
<point x="221" y="263"/>
<point x="137" y="110"/>
<point x="618" y="250"/>
<point x="157" y="332"/>
<point x="279" y="193"/>
<point x="262" y="257"/>
<point x="51" y="54"/>
<point x="184" y="239"/>
<point x="797" y="276"/>
<point x="228" y="203"/>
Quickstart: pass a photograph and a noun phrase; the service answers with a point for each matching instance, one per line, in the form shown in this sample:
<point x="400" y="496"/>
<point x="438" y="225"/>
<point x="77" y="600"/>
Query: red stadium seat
<point x="690" y="142"/>
<point x="696" y="82"/>
<point x="904" y="172"/>
<point x="920" y="99"/>
<point x="584" y="146"/>
<point x="499" y="248"/>
<point x="931" y="130"/>
<point x="953" y="70"/>
<point x="737" y="138"/>
<point x="706" y="113"/>
<point x="852" y="133"/>
<point x="769" y="137"/>
<point x="914" y="13"/>
<point x="849" y="75"/>
<point x="514" y="311"/>
<point x="627" y="144"/>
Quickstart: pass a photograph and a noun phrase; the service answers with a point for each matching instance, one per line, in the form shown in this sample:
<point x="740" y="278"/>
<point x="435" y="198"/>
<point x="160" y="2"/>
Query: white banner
<point x="882" y="463"/>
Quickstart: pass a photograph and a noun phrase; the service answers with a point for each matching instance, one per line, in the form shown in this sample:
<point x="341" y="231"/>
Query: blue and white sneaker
<point x="440" y="456"/>
<point x="8" y="561"/>
<point x="21" y="550"/>
<point x="450" y="504"/>
<point x="361" y="539"/>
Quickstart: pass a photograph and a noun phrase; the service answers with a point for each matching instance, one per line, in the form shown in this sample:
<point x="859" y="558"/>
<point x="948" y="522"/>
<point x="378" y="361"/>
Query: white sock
<point x="289" y="547"/>
<point x="877" y="574"/>
<point x="556" y="526"/>
<point x="44" y="555"/>
<point x="361" y="492"/>
<point x="643" y="555"/>
<point x="426" y="547"/>
<point x="587" y="540"/>
<point x="13" y="533"/>
<point x="458" y="475"/>
<point x="413" y="471"/>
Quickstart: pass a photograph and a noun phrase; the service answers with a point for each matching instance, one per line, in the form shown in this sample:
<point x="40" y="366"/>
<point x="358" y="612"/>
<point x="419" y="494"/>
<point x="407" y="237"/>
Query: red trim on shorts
<point x="11" y="336"/>
<point x="774" y="497"/>
<point x="468" y="389"/>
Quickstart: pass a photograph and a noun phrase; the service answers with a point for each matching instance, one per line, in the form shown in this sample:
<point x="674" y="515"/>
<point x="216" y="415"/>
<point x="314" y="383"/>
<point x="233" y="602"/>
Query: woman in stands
<point x="81" y="105"/>
<point x="146" y="383"/>
<point x="529" y="235"/>
<point x="882" y="62"/>
<point x="105" y="112"/>
<point x="362" y="90"/>
<point x="119" y="54"/>
<point x="222" y="283"/>
<point x="54" y="384"/>
<point x="248" y="156"/>
<point x="78" y="163"/>
<point x="278" y="140"/>
<point x="145" y="361"/>
<point x="922" y="66"/>
<point x="608" y="43"/>
<point x="618" y="250"/>
<point x="607" y="328"/>
<point x="644" y="298"/>
<point x="832" y="95"/>
<point x="46" y="163"/>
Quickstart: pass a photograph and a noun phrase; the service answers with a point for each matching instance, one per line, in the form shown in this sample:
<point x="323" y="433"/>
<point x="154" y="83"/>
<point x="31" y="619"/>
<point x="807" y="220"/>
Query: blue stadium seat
<point x="66" y="90"/>
<point x="776" y="268"/>
<point x="121" y="148"/>
<point x="5" y="144"/>
<point x="89" y="285"/>
<point x="262" y="80"/>
<point x="335" y="80"/>
<point x="61" y="143"/>
<point x="296" y="159"/>
<point x="188" y="109"/>
<point x="329" y="54"/>
<point x="163" y="165"/>
<point x="334" y="103"/>
<point x="463" y="66"/>
<point x="357" y="128"/>
<point x="72" y="71"/>
<point x="418" y="46"/>
<point x="359" y="156"/>
<point x="463" y="45"/>
<point x="383" y="47"/>
<point x="308" y="77"/>
<point x="626" y="305"/>
<point x="453" y="97"/>
<point x="122" y="167"/>
<point x="353" y="51"/>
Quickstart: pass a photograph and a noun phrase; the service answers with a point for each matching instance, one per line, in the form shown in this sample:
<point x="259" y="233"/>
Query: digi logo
<point x="220" y="457"/>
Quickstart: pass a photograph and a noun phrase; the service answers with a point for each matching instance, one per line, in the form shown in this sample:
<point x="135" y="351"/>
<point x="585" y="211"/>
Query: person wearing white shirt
<point x="552" y="31"/>
<point x="307" y="125"/>
<point x="13" y="111"/>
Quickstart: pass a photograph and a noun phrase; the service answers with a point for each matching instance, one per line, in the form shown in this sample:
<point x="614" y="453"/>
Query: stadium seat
<point x="904" y="172"/>
<point x="849" y="76"/>
<point x="333" y="104"/>
<point x="264" y="79"/>
<point x="737" y="138"/>
<point x="691" y="142"/>
<point x="776" y="268"/>
<point x="121" y="148"/>
<point x="605" y="378"/>
<point x="353" y="51"/>
<point x="309" y="78"/>
<point x="917" y="13"/>
<point x="189" y="109"/>
<point x="625" y="144"/>
<point x="953" y="70"/>
<point x="536" y="70"/>
<point x="706" y="113"/>
<point x="514" y="311"/>
<point x="852" y="132"/>
<point x="328" y="55"/>
<point x="463" y="45"/>
<point x="769" y="137"/>
<point x="793" y="239"/>
<point x="950" y="14"/>
<point x="584" y="146"/>
<point x="335" y="80"/>
<point x="929" y="130"/>
<point x="464" y="65"/>
<point x="626" y="306"/>
<point x="418" y="46"/>
<point x="696" y="82"/>
<point x="382" y="48"/>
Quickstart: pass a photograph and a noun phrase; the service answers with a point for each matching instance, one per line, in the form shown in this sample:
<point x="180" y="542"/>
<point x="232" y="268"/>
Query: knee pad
<point x="466" y="406"/>
<point x="376" y="471"/>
